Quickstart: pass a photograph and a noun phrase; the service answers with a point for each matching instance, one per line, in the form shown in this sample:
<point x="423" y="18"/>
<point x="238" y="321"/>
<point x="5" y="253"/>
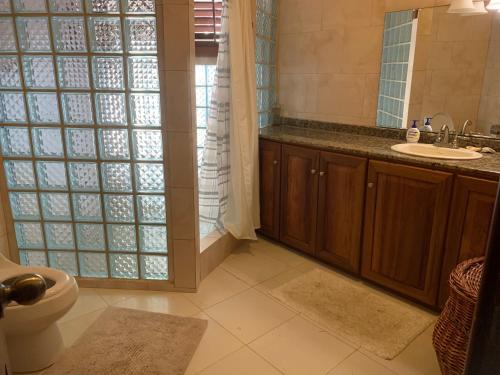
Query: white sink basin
<point x="431" y="151"/>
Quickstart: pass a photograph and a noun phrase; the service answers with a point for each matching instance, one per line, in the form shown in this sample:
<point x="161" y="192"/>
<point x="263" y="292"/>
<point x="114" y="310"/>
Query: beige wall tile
<point x="182" y="208"/>
<point x="335" y="13"/>
<point x="341" y="94"/>
<point x="298" y="92"/>
<point x="177" y="36"/>
<point x="300" y="16"/>
<point x="180" y="156"/>
<point x="178" y="100"/>
<point x="185" y="252"/>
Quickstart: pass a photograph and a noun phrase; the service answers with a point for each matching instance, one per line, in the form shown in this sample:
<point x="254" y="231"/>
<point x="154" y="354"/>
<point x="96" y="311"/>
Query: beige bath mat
<point x="378" y="323"/>
<point x="133" y="342"/>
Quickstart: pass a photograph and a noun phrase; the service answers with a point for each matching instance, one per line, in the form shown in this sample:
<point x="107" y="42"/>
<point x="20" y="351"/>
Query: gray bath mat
<point x="133" y="342"/>
<point x="378" y="323"/>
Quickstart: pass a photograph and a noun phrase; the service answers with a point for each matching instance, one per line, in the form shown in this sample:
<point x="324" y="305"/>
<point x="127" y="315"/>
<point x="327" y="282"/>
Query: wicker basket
<point x="452" y="331"/>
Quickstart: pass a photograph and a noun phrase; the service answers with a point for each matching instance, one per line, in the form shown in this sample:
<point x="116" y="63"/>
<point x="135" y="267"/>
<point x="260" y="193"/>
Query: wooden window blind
<point x="207" y="21"/>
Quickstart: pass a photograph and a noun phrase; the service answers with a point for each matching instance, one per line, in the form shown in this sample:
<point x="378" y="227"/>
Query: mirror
<point x="436" y="64"/>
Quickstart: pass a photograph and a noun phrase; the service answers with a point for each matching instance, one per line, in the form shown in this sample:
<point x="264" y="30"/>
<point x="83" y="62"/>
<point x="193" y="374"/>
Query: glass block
<point x="153" y="239"/>
<point x="113" y="144"/>
<point x="30" y="6"/>
<point x="15" y="141"/>
<point x="55" y="206"/>
<point x="80" y="144"/>
<point x="105" y="34"/>
<point x="51" y="175"/>
<point x="73" y="72"/>
<point x="84" y="177"/>
<point x="149" y="178"/>
<point x="20" y="174"/>
<point x="5" y="6"/>
<point x="103" y="6"/>
<point x="154" y="267"/>
<point x="201" y="117"/>
<point x="43" y="107"/>
<point x="59" y="236"/>
<point x="148" y="145"/>
<point x="121" y="237"/>
<point x="93" y="265"/>
<point x="151" y="209"/>
<point x="9" y="72"/>
<point x="139" y="6"/>
<point x="90" y="237"/>
<point x="32" y="258"/>
<point x="200" y="74"/>
<point x="145" y="109"/>
<point x="116" y="177"/>
<point x="47" y="142"/>
<point x="33" y="34"/>
<point x="124" y="266"/>
<point x="201" y="97"/>
<point x="24" y="206"/>
<point x="69" y="34"/>
<point x="77" y="109"/>
<point x="140" y="35"/>
<point x="211" y="70"/>
<point x="39" y="72"/>
<point x="64" y="261"/>
<point x="66" y="6"/>
<point x="108" y="72"/>
<point x="7" y="35"/>
<point x="111" y="109"/>
<point x="200" y="137"/>
<point x="12" y="108"/>
<point x="143" y="73"/>
<point x="29" y="235"/>
<point x="87" y="207"/>
<point x="119" y="208"/>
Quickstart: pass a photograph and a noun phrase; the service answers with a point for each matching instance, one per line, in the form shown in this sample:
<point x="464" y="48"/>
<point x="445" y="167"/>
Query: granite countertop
<point x="378" y="148"/>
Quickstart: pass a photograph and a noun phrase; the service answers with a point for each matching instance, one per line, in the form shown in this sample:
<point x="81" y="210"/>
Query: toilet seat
<point x="62" y="280"/>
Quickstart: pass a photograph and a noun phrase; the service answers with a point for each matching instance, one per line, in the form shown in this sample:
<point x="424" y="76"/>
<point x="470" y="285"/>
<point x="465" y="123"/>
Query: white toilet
<point x="33" y="337"/>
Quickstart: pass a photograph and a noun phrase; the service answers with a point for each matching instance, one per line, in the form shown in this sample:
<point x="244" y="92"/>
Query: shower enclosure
<point x="81" y="136"/>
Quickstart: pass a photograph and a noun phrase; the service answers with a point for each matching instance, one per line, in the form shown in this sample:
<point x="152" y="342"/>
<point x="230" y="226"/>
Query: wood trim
<point x="428" y="294"/>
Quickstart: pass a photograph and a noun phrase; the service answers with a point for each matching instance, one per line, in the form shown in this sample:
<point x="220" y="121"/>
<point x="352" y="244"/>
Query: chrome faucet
<point x="443" y="140"/>
<point x="465" y="127"/>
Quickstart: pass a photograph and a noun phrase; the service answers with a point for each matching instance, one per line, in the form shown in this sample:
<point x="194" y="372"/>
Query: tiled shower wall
<point x="329" y="57"/>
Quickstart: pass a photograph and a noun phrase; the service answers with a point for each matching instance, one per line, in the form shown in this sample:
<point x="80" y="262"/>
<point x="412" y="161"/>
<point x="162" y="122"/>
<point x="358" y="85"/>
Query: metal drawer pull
<point x="370" y="185"/>
<point x="322" y="173"/>
<point x="275" y="162"/>
<point x="313" y="171"/>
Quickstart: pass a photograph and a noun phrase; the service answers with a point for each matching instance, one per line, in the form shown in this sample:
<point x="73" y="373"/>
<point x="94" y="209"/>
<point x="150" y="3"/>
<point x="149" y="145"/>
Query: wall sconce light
<point x="494" y="5"/>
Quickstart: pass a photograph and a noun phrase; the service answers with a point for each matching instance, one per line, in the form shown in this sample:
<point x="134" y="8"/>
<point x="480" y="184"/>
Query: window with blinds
<point x="207" y="24"/>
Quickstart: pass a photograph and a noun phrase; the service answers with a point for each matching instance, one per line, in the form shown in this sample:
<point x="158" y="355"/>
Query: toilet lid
<point x="61" y="279"/>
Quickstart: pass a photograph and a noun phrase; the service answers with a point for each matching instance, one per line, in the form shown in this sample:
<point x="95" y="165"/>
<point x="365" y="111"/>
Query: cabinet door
<point x="405" y="224"/>
<point x="469" y="225"/>
<point x="299" y="197"/>
<point x="270" y="164"/>
<point x="340" y="209"/>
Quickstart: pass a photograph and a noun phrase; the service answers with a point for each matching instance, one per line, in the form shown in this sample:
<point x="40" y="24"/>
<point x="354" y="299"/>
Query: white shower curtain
<point x="229" y="186"/>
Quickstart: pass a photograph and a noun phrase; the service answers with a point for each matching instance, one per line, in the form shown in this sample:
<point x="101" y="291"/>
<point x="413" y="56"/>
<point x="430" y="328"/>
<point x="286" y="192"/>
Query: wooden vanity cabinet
<point x="469" y="225"/>
<point x="270" y="182"/>
<point x="340" y="210"/>
<point x="299" y="197"/>
<point x="405" y="226"/>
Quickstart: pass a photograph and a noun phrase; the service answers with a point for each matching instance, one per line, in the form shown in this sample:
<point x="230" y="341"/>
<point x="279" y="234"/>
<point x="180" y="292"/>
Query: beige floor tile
<point x="299" y="347"/>
<point x="418" y="358"/>
<point x="71" y="330"/>
<point x="242" y="362"/>
<point x="251" y="267"/>
<point x="113" y="296"/>
<point x="359" y="364"/>
<point x="275" y="251"/>
<point x="249" y="315"/>
<point x="216" y="343"/>
<point x="87" y="302"/>
<point x="161" y="302"/>
<point x="277" y="281"/>
<point x="216" y="287"/>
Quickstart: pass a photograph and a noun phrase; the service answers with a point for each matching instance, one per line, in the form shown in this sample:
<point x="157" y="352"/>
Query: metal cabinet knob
<point x="371" y="185"/>
<point x="275" y="162"/>
<point x="322" y="173"/>
<point x="313" y="171"/>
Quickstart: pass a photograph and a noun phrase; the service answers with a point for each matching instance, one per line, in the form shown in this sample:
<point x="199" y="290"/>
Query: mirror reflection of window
<point x="396" y="68"/>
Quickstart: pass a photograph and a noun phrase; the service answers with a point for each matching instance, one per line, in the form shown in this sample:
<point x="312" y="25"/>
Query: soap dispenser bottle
<point x="427" y="125"/>
<point x="413" y="134"/>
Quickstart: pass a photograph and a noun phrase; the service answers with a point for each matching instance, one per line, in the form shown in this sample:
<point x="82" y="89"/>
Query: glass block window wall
<point x="80" y="136"/>
<point x="205" y="75"/>
<point x="265" y="50"/>
<point x="396" y="65"/>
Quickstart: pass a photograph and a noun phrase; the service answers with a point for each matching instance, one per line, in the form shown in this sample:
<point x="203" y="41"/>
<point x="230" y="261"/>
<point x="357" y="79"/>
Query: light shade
<point x="461" y="6"/>
<point x="479" y="9"/>
<point x="494" y="5"/>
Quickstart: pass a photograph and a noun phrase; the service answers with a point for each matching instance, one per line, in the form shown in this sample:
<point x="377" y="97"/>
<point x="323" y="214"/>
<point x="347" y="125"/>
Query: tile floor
<point x="249" y="332"/>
